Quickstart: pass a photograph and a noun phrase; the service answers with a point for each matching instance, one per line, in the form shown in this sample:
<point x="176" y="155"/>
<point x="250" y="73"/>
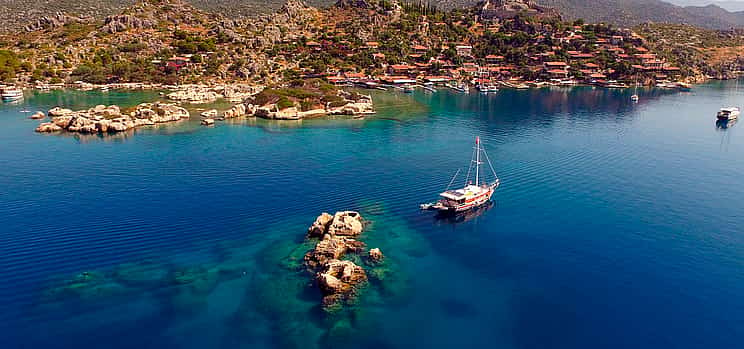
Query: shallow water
<point x="617" y="225"/>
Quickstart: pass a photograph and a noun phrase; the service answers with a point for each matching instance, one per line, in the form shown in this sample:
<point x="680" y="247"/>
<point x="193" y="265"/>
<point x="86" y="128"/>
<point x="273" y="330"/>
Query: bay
<point x="617" y="224"/>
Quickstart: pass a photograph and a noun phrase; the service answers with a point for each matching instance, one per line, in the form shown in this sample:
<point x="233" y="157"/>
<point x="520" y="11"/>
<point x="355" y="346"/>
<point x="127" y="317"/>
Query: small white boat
<point x="12" y="94"/>
<point x="634" y="98"/>
<point x="728" y="113"/>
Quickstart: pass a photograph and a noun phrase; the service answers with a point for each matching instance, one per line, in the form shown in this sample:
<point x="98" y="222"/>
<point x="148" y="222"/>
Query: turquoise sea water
<point x="617" y="225"/>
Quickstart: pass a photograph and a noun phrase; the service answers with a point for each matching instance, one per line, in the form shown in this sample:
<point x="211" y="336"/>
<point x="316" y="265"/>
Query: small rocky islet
<point x="338" y="279"/>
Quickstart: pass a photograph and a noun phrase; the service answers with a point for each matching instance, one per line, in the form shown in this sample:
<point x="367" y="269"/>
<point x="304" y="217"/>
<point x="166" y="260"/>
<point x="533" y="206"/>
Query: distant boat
<point x="487" y="88"/>
<point x="459" y="88"/>
<point x="683" y="86"/>
<point x="12" y="94"/>
<point x="728" y="113"/>
<point x="472" y="195"/>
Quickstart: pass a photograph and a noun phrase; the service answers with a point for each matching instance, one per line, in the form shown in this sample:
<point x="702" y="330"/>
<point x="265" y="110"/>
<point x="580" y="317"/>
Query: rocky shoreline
<point x="338" y="279"/>
<point x="111" y="119"/>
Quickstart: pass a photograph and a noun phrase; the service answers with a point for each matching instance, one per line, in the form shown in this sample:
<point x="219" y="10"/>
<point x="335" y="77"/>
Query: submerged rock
<point x="375" y="256"/>
<point x="48" y="127"/>
<point x="339" y="280"/>
<point x="329" y="248"/>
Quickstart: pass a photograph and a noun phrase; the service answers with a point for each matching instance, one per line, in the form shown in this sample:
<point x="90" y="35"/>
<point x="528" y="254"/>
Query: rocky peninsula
<point x="339" y="279"/>
<point x="301" y="99"/>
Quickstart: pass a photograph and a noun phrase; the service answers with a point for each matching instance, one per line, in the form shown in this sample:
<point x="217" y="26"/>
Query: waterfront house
<point x="464" y="50"/>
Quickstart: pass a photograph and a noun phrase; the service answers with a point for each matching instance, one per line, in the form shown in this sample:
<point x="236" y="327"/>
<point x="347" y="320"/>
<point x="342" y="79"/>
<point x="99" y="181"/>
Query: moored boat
<point x="12" y="94"/>
<point x="728" y="113"/>
<point x="472" y="195"/>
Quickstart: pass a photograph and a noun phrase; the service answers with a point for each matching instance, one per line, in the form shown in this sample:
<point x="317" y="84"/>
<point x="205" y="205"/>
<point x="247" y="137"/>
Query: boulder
<point x="57" y="111"/>
<point x="346" y="223"/>
<point x="291" y="113"/>
<point x="37" y="116"/>
<point x="48" y="127"/>
<point x="375" y="256"/>
<point x="62" y="121"/>
<point x="236" y="111"/>
<point x="339" y="280"/>
<point x="82" y="124"/>
<point x="120" y="23"/>
<point x="326" y="249"/>
<point x="320" y="226"/>
<point x="207" y="122"/>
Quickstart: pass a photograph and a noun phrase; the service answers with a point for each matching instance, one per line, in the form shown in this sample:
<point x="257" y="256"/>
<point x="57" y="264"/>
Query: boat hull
<point x="473" y="203"/>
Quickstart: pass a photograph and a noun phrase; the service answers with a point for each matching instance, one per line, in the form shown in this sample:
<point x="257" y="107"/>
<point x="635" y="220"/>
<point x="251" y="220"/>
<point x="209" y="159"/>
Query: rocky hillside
<point x="16" y="14"/>
<point x="633" y="12"/>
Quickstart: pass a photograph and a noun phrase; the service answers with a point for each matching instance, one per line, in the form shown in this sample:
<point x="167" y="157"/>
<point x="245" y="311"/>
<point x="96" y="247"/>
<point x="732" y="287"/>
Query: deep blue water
<point x="617" y="225"/>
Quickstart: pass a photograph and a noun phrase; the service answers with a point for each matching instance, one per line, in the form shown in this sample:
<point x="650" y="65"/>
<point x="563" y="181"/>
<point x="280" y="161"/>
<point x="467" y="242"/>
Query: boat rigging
<point x="472" y="195"/>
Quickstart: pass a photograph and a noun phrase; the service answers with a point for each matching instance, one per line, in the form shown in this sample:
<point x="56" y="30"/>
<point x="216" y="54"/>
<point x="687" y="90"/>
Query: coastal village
<point x="282" y="66"/>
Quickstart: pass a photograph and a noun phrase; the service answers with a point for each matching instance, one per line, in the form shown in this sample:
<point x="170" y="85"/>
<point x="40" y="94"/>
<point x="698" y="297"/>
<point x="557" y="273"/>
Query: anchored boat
<point x="729" y="113"/>
<point x="472" y="195"/>
<point x="12" y="94"/>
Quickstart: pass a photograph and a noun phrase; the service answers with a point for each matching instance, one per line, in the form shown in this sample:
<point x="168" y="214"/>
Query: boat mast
<point x="477" y="158"/>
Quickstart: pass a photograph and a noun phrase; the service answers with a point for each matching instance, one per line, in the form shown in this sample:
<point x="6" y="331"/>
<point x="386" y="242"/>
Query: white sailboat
<point x="472" y="195"/>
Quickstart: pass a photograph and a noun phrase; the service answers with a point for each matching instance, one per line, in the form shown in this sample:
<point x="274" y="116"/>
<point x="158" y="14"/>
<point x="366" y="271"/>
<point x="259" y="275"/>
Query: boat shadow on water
<point x="462" y="217"/>
<point x="725" y="124"/>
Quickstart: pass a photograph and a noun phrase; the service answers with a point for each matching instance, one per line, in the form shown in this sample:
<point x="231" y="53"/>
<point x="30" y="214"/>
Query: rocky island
<point x="339" y="280"/>
<point x="310" y="98"/>
<point x="111" y="119"/>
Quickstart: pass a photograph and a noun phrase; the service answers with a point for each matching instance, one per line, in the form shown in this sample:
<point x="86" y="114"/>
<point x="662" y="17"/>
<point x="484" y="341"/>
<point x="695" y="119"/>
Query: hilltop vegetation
<point x="170" y="41"/>
<point x="714" y="53"/>
<point x="15" y="14"/>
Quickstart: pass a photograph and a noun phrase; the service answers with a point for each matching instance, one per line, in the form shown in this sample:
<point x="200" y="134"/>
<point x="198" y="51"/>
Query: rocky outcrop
<point x="120" y="23"/>
<point x="237" y="110"/>
<point x="320" y="226"/>
<point x="375" y="256"/>
<point x="57" y="111"/>
<point x="48" y="127"/>
<point x="352" y="104"/>
<point x="346" y="223"/>
<point x="329" y="248"/>
<point x="57" y="20"/>
<point x="339" y="281"/>
<point x="195" y="95"/>
<point x="37" y="116"/>
<point x="161" y="112"/>
<point x="109" y="119"/>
